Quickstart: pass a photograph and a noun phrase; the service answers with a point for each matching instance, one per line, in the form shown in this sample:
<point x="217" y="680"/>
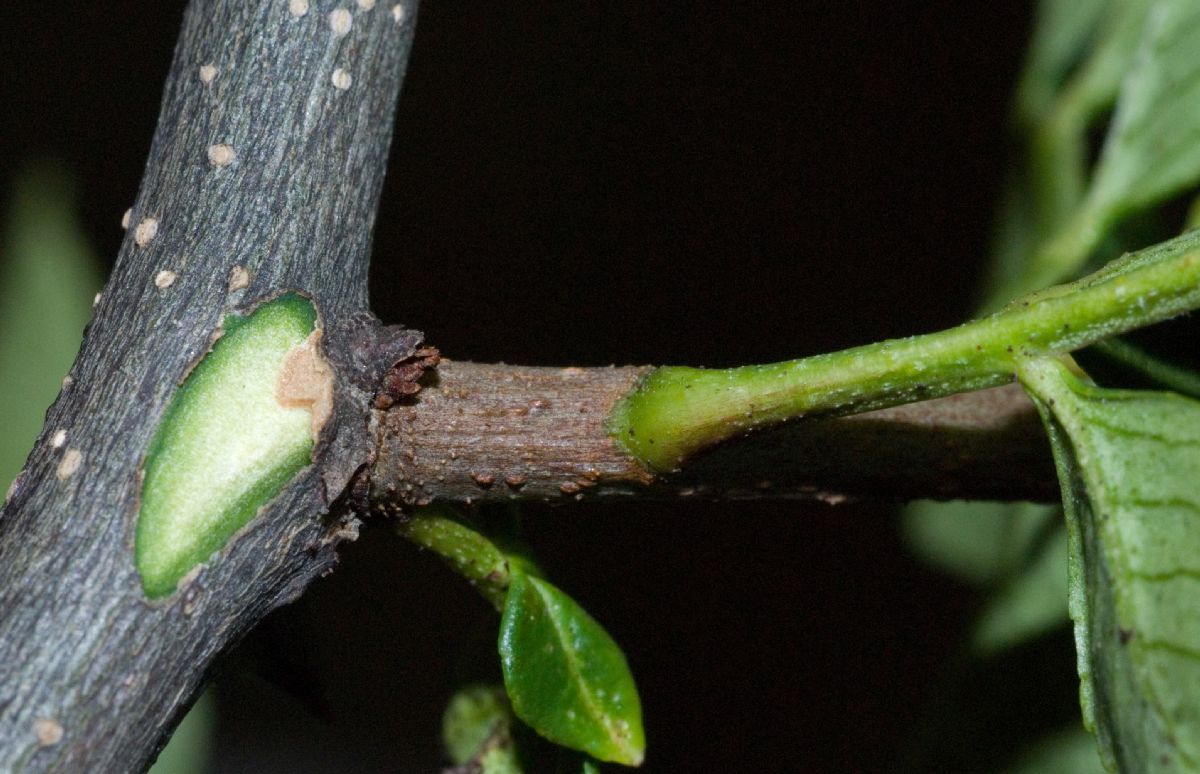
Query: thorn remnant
<point x="221" y="155"/>
<point x="340" y="21"/>
<point x="125" y="218"/>
<point x="59" y="439"/>
<point x="341" y="79"/>
<point x="398" y="13"/>
<point x="70" y="463"/>
<point x="403" y="379"/>
<point x="145" y="232"/>
<point x="96" y="300"/>
<point x="164" y="279"/>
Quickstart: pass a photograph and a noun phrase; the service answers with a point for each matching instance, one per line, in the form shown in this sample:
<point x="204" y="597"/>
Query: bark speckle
<point x="366" y="5"/>
<point x="58" y="439"/>
<point x="398" y="13"/>
<point x="297" y="8"/>
<point x="207" y="73"/>
<point x="164" y="279"/>
<point x="48" y="731"/>
<point x="341" y="79"/>
<point x="146" y="230"/>
<point x="340" y="21"/>
<point x="221" y="155"/>
<point x="69" y="464"/>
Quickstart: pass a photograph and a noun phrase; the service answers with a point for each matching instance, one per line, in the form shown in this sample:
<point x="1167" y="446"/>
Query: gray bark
<point x="92" y="675"/>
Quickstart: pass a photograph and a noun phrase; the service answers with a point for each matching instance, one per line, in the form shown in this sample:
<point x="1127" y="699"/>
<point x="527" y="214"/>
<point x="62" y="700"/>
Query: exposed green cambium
<point x="674" y="412"/>
<point x="1129" y="463"/>
<point x="225" y="445"/>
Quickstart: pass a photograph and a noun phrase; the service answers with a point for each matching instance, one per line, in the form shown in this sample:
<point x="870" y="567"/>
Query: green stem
<point x="674" y="412"/>
<point x="467" y="551"/>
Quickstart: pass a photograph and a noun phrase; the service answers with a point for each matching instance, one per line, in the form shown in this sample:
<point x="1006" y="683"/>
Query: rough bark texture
<point x="271" y="161"/>
<point x="488" y="432"/>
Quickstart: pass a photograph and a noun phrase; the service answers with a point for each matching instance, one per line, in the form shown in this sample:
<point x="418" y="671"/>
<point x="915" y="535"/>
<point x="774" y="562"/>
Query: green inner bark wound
<point x="225" y="445"/>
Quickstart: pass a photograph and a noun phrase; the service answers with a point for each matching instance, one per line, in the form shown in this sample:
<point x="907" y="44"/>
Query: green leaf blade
<point x="1130" y="463"/>
<point x="565" y="675"/>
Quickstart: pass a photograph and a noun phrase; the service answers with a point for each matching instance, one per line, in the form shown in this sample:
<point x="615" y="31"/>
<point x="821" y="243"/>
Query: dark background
<point x="633" y="182"/>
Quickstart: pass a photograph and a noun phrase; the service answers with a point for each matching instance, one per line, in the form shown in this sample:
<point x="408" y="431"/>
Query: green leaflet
<point x="565" y="675"/>
<point x="1129" y="463"/>
<point x="225" y="445"/>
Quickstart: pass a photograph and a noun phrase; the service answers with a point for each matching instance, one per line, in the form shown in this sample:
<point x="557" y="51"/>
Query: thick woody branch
<point x="263" y="177"/>
<point x="496" y="432"/>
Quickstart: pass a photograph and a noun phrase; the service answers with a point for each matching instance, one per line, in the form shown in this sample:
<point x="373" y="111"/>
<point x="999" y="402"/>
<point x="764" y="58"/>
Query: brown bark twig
<point x="497" y="432"/>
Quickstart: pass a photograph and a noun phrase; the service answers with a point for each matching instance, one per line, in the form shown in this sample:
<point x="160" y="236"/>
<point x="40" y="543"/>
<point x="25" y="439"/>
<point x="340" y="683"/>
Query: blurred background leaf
<point x="1068" y="752"/>
<point x="188" y="752"/>
<point x="48" y="275"/>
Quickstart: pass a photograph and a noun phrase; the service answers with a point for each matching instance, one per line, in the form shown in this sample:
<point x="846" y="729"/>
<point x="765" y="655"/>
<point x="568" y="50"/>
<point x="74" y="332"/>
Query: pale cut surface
<point x="225" y="446"/>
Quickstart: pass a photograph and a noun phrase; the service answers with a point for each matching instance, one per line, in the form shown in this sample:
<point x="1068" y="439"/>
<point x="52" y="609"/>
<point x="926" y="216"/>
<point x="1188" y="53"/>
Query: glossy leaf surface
<point x="565" y="676"/>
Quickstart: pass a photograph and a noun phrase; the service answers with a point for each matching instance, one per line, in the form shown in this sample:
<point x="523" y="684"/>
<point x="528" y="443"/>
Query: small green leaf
<point x="477" y="728"/>
<point x="1129" y="463"/>
<point x="565" y="675"/>
<point x="226" y="444"/>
